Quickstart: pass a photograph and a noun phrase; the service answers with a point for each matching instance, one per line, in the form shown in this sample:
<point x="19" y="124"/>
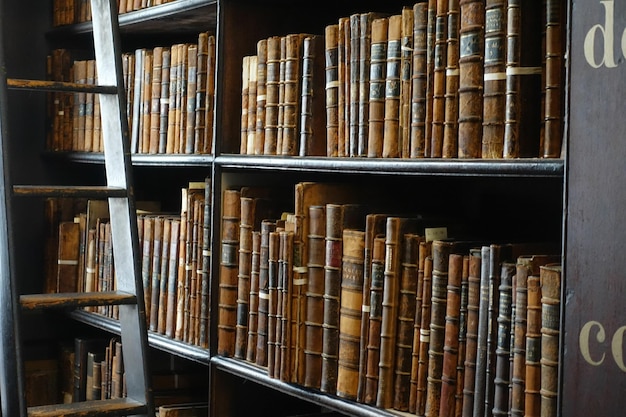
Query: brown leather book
<point x="252" y="105"/>
<point x="267" y="226"/>
<point x="441" y="251"/>
<point x="293" y="94"/>
<point x="391" y="123"/>
<point x="439" y="79"/>
<point x="532" y="392"/>
<point x="170" y="317"/>
<point x="146" y="261"/>
<point x="164" y="93"/>
<point x="424" y="251"/>
<point x="146" y="97"/>
<point x="471" y="44"/>
<point x="343" y="99"/>
<point x="164" y="274"/>
<point x="376" y="307"/>
<point x="312" y="121"/>
<point x="253" y="314"/>
<point x="271" y="99"/>
<point x="175" y="58"/>
<point x="503" y="346"/>
<point x="245" y="101"/>
<point x="460" y="371"/>
<point x="210" y="100"/>
<point x="67" y="257"/>
<point x="449" y="381"/>
<point x="406" y="59"/>
<point x="227" y="308"/>
<point x="494" y="79"/>
<point x="315" y="296"/>
<point x="288" y="336"/>
<point x="418" y="80"/>
<point x="430" y="72"/>
<point x="155" y="99"/>
<point x="155" y="273"/>
<point x="205" y="272"/>
<point x="422" y="374"/>
<point x="261" y="97"/>
<point x="473" y="305"/>
<point x="200" y="102"/>
<point x="451" y="118"/>
<point x="331" y="40"/>
<point x="553" y="88"/>
<point x="274" y="323"/>
<point x="181" y="97"/>
<point x="378" y="71"/>
<point x="246" y="226"/>
<point x="550" y="280"/>
<point x="189" y="114"/>
<point x="406" y="316"/>
<point x="352" y="271"/>
<point x="352" y="83"/>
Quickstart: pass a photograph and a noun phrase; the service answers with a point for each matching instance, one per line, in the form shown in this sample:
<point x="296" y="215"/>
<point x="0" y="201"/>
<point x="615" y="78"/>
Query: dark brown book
<point x="424" y="251"/>
<point x="502" y="378"/>
<point x="471" y="44"/>
<point x="463" y="316"/>
<point x="532" y="392"/>
<point x="267" y="226"/>
<point x="261" y="96"/>
<point x="331" y="40"/>
<point x="375" y="318"/>
<point x="227" y="309"/>
<point x="210" y="93"/>
<point x="345" y="29"/>
<point x="352" y="110"/>
<point x="246" y="226"/>
<point x="352" y="271"/>
<point x="271" y="98"/>
<point x="312" y="106"/>
<point x="449" y="381"/>
<point x="418" y="80"/>
<point x="200" y="102"/>
<point x="430" y="72"/>
<point x="550" y="280"/>
<point x="481" y="365"/>
<point x="439" y="79"/>
<point x="422" y="374"/>
<point x="205" y="271"/>
<point x="190" y="102"/>
<point x="494" y="89"/>
<point x="391" y="123"/>
<point x="292" y="95"/>
<point x="253" y="313"/>
<point x="451" y="118"/>
<point x="290" y="310"/>
<point x="184" y="410"/>
<point x="406" y="60"/>
<point x="406" y="316"/>
<point x="274" y="322"/>
<point x="378" y="71"/>
<point x="473" y="308"/>
<point x="67" y="257"/>
<point x="343" y="97"/>
<point x="164" y="104"/>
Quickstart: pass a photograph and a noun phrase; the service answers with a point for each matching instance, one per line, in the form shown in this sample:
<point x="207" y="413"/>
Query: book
<point x="343" y="98"/>
<point x="202" y="73"/>
<point x="422" y="372"/>
<point x="311" y="126"/>
<point x="210" y="93"/>
<point x="292" y="94"/>
<point x="439" y="79"/>
<point x="155" y="100"/>
<point x="532" y="392"/>
<point x="267" y="226"/>
<point x="406" y="60"/>
<point x="351" y="301"/>
<point x="261" y="97"/>
<point x="205" y="274"/>
<point x="191" y="92"/>
<point x="184" y="410"/>
<point x="245" y="98"/>
<point x="471" y="344"/>
<point x="378" y="71"/>
<point x="431" y="27"/>
<point x="391" y="123"/>
<point x="451" y="118"/>
<point x="290" y="310"/>
<point x="459" y="396"/>
<point x="274" y="322"/>
<point x="331" y="61"/>
<point x="253" y="314"/>
<point x="161" y="315"/>
<point x="550" y="280"/>
<point x="419" y="81"/>
<point x="271" y="98"/>
<point x="155" y="272"/>
<point x="172" y="278"/>
<point x="480" y="370"/>
<point x="471" y="44"/>
<point x="67" y="277"/>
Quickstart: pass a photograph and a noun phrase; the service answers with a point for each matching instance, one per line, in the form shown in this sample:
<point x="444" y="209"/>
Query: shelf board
<point x="158" y="341"/>
<point x="531" y="167"/>
<point x="180" y="16"/>
<point x="160" y="160"/>
<point x="259" y="375"/>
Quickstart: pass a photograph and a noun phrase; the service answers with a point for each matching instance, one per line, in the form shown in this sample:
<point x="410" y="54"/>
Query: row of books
<point x="68" y="12"/>
<point x="170" y="93"/>
<point x="174" y="255"/>
<point x="439" y="79"/>
<point x="372" y="308"/>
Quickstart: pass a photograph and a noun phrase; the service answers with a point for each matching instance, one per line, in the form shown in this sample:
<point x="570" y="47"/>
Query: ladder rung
<point x="114" y="407"/>
<point x="78" y="299"/>
<point x="67" y="87"/>
<point x="87" y="191"/>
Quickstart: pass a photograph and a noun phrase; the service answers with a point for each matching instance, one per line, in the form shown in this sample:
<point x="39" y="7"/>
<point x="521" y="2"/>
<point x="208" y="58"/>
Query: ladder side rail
<point x="122" y="210"/>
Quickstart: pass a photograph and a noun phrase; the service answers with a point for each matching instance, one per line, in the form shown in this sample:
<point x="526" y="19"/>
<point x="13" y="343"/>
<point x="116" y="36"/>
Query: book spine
<point x="419" y="80"/>
<point x="170" y="319"/>
<point x="365" y="50"/>
<point x="267" y="226"/>
<point x="463" y="316"/>
<point x="253" y="314"/>
<point x="287" y="335"/>
<point x="206" y="264"/>
<point x="164" y="274"/>
<point x="252" y="105"/>
<point x="473" y="311"/>
<point x="451" y="119"/>
<point x="492" y="325"/>
<point x="471" y="44"/>
<point x="406" y="60"/>
<point x="503" y="346"/>
<point x="210" y="96"/>
<point x="480" y="369"/>
<point x="248" y="207"/>
<point x="200" y="100"/>
<point x="422" y="376"/>
<point x="155" y="271"/>
<point x="378" y="67"/>
<point x="332" y="88"/>
<point x="343" y="53"/>
<point x="532" y="394"/>
<point x="353" y="85"/>
<point x="553" y="120"/>
<point x="439" y="79"/>
<point x="271" y="98"/>
<point x="261" y="97"/>
<point x="292" y="95"/>
<point x="274" y="305"/>
<point x="312" y="106"/>
<point x="350" y="313"/>
<point x="391" y="124"/>
<point x="494" y="79"/>
<point x="155" y="100"/>
<point x="164" y="99"/>
<point x="431" y="22"/>
<point x="550" y="280"/>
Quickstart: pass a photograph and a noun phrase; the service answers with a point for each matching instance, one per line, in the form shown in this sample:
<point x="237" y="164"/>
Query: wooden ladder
<point x="119" y="192"/>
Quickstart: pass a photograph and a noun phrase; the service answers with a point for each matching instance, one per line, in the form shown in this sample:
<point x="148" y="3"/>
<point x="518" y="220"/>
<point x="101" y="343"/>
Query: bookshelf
<point x="563" y="200"/>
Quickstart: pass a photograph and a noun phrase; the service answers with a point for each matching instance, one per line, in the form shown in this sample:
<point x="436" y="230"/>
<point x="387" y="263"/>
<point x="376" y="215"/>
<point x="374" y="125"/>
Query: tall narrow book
<point x="418" y="81"/>
<point x="332" y="88"/>
<point x="378" y="71"/>
<point x="550" y="279"/>
<point x="391" y="124"/>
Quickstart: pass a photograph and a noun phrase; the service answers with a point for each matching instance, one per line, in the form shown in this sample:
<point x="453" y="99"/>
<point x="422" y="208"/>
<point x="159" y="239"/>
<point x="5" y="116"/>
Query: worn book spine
<point x="293" y="94"/>
<point x="246" y="225"/>
<point x="164" y="101"/>
<point x="350" y="313"/>
<point x="227" y="308"/>
<point x="353" y="85"/>
<point x="503" y="345"/>
<point x="287" y="335"/>
<point x="252" y="106"/>
<point x="175" y="56"/>
<point x="422" y="375"/>
<point x="343" y="54"/>
<point x="67" y="257"/>
<point x="391" y="123"/>
<point x="451" y="118"/>
<point x="155" y="272"/>
<point x="365" y="50"/>
<point x="471" y="45"/>
<point x="447" y="405"/>
<point x="312" y="106"/>
<point x="274" y="305"/>
<point x="376" y="306"/>
<point x="424" y="251"/>
<point x="146" y="89"/>
<point x="146" y="262"/>
<point x="210" y="100"/>
<point x="163" y="275"/>
<point x="271" y="95"/>
<point x="406" y="316"/>
<point x="418" y="80"/>
<point x="155" y="100"/>
<point x="331" y="33"/>
<point x="473" y="307"/>
<point x="200" y="100"/>
<point x="253" y="314"/>
<point x="346" y="33"/>
<point x="439" y="79"/>
<point x="261" y="97"/>
<point x="495" y="257"/>
<point x="267" y="226"/>
<point x="378" y="70"/>
<point x="430" y="67"/>
<point x="205" y="256"/>
<point x="170" y="317"/>
<point x="550" y="280"/>
<point x="494" y="90"/>
<point x="245" y="98"/>
<point x="315" y="296"/>
<point x="480" y="369"/>
<point x="460" y="371"/>
<point x="532" y="393"/>
<point x="332" y="292"/>
<point x="406" y="60"/>
<point x="181" y="97"/>
<point x="553" y="116"/>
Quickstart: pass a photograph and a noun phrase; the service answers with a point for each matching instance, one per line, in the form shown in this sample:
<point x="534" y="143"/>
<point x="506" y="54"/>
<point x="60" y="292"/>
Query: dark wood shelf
<point x="158" y="160"/>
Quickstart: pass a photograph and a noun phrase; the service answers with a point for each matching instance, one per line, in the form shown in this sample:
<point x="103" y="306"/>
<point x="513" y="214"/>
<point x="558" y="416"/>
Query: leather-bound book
<point x="271" y="98"/>
<point x="67" y="257"/>
<point x="267" y="226"/>
<point x="451" y="118"/>
<point x="331" y="40"/>
<point x="261" y="97"/>
<point x="250" y="136"/>
<point x="406" y="60"/>
<point x="447" y="405"/>
<point x="352" y="270"/>
<point x="439" y="79"/>
<point x="346" y="34"/>
<point x="406" y="316"/>
<point x="480" y="369"/>
<point x="532" y="392"/>
<point x="503" y="345"/>
<point x="494" y="79"/>
<point x="190" y="102"/>
<point x="463" y="313"/>
<point x="155" y="99"/>
<point x="376" y="307"/>
<point x="246" y="226"/>
<point x="422" y="372"/>
<point x="280" y="126"/>
<point x="155" y="273"/>
<point x="315" y="296"/>
<point x="181" y="97"/>
<point x="374" y="226"/>
<point x="312" y="126"/>
<point x="378" y="71"/>
<point x="170" y="317"/>
<point x="175" y="57"/>
<point x="471" y="44"/>
<point x="353" y="33"/>
<point x="206" y="264"/>
<point x="288" y="336"/>
<point x="200" y="101"/>
<point x="210" y="92"/>
<point x="550" y="280"/>
<point x="164" y="104"/>
<point x="144" y="138"/>
<point x="293" y="94"/>
<point x="253" y="314"/>
<point x="146" y="262"/>
<point x="164" y="273"/>
<point x="274" y="323"/>
<point x="424" y="251"/>
<point x="418" y="80"/>
<point x="473" y="306"/>
<point x="343" y="98"/>
<point x="227" y="308"/>
<point x="391" y="121"/>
